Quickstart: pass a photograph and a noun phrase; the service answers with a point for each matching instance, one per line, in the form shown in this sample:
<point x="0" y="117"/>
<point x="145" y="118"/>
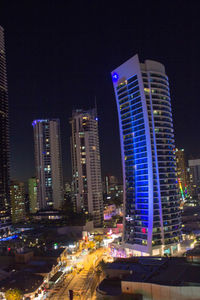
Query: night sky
<point x="60" y="55"/>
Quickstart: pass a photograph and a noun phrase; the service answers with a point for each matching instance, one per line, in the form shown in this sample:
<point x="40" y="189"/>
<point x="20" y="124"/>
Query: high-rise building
<point x="194" y="169"/>
<point x="182" y="172"/>
<point x="110" y="180"/>
<point x="68" y="194"/>
<point x="32" y="193"/>
<point x="113" y="191"/>
<point x="86" y="166"/>
<point x="17" y="194"/>
<point x="68" y="188"/>
<point x="48" y="164"/>
<point x="5" y="217"/>
<point x="151" y="209"/>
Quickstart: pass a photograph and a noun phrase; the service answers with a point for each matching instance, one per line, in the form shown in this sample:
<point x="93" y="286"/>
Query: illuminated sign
<point x="115" y="76"/>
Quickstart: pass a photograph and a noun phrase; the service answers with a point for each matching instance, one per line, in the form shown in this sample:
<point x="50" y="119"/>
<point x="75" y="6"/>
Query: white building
<point x="86" y="167"/>
<point x="48" y="163"/>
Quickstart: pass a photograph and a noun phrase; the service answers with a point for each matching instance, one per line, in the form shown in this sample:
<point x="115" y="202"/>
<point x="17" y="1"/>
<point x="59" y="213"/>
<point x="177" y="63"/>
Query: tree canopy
<point x="13" y="294"/>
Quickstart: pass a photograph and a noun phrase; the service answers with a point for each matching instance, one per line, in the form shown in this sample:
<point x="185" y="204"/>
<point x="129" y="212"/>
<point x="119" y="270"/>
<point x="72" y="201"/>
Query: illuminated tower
<point x="151" y="209"/>
<point x="32" y="193"/>
<point x="48" y="163"/>
<point x="86" y="167"/>
<point x="17" y="194"/>
<point x="5" y="220"/>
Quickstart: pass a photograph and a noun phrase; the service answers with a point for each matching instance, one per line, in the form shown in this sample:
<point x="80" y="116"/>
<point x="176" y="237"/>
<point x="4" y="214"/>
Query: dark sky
<point x="60" y="55"/>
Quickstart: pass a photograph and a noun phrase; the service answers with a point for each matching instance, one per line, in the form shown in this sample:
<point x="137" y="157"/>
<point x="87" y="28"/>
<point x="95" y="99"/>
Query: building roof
<point x="187" y="273"/>
<point x="55" y="253"/>
<point x="193" y="252"/>
<point x="39" y="267"/>
<point x="24" y="281"/>
<point x="56" y="276"/>
<point x="110" y="287"/>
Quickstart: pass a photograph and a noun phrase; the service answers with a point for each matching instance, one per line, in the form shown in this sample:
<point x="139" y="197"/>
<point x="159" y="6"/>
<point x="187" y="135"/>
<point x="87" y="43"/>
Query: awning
<point x="56" y="276"/>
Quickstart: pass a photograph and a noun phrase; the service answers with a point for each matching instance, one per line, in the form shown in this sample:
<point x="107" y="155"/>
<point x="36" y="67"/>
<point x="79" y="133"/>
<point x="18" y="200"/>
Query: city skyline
<point x="93" y="51"/>
<point x="99" y="149"/>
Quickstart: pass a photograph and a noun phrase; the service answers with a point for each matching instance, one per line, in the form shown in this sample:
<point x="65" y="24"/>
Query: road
<point x="83" y="283"/>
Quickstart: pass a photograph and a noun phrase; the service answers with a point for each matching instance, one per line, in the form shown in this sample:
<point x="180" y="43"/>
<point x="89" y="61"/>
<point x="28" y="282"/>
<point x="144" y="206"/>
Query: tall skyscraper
<point x="48" y="163"/>
<point x="86" y="166"/>
<point x="17" y="194"/>
<point x="32" y="193"/>
<point x="5" y="220"/>
<point x="151" y="210"/>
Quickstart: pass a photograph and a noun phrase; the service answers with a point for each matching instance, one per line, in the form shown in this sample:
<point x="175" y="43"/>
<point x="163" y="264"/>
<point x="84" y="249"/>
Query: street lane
<point x="84" y="282"/>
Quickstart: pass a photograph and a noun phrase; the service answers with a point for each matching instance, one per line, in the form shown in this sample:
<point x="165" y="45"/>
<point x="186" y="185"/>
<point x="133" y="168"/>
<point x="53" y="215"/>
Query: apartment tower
<point x="32" y="194"/>
<point x="152" y="223"/>
<point x="48" y="164"/>
<point x="5" y="212"/>
<point x="17" y="195"/>
<point x="86" y="166"/>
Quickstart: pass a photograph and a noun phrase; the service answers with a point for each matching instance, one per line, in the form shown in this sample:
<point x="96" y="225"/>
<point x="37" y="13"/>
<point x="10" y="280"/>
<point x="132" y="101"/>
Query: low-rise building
<point x="151" y="278"/>
<point x="32" y="272"/>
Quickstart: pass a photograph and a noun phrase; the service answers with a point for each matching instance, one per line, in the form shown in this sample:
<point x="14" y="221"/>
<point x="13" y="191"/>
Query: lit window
<point x="147" y="90"/>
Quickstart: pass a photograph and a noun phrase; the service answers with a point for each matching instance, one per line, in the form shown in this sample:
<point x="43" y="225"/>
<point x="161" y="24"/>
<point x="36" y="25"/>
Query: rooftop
<point x="159" y="270"/>
<point x="24" y="281"/>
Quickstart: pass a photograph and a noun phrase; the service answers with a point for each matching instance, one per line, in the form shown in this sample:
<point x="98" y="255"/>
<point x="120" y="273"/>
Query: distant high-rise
<point x="48" y="164"/>
<point x="32" y="193"/>
<point x="113" y="191"/>
<point x="151" y="210"/>
<point x="182" y="173"/>
<point x="17" y="194"/>
<point x="86" y="166"/>
<point x="5" y="220"/>
<point x="194" y="167"/>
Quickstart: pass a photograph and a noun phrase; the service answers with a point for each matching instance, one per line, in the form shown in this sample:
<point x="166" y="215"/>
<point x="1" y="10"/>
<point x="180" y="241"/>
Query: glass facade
<point x="151" y="208"/>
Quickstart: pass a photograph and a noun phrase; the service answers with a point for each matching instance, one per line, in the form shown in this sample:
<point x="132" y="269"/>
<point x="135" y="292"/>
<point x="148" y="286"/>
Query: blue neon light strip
<point x="9" y="238"/>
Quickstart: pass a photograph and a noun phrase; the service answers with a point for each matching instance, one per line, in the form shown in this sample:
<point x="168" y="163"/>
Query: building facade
<point x="182" y="173"/>
<point x="151" y="209"/>
<point x="194" y="169"/>
<point x="5" y="217"/>
<point x="86" y="166"/>
<point x="48" y="164"/>
<point x="17" y="195"/>
<point x="32" y="194"/>
<point x="113" y="190"/>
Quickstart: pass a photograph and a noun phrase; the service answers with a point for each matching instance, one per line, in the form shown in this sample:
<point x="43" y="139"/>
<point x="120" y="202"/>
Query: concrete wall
<point x="119" y="273"/>
<point x="100" y="295"/>
<point x="76" y="229"/>
<point x="161" y="292"/>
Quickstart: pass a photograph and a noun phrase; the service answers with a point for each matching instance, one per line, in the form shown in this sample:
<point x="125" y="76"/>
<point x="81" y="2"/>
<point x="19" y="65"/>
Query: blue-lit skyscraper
<point x="151" y="209"/>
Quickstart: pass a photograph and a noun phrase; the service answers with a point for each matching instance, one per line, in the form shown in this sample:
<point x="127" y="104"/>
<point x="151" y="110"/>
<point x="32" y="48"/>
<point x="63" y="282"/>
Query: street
<point x="83" y="282"/>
